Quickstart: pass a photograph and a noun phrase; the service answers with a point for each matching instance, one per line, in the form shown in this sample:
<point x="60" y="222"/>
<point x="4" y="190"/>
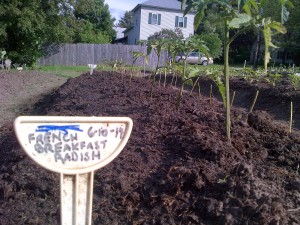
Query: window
<point x="194" y="54"/>
<point x="154" y="19"/>
<point x="180" y="21"/>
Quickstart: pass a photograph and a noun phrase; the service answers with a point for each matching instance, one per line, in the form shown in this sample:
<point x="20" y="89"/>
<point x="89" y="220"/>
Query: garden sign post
<point x="74" y="147"/>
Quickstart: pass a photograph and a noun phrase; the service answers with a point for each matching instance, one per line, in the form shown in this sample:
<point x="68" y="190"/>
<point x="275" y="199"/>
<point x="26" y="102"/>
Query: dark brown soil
<point x="178" y="167"/>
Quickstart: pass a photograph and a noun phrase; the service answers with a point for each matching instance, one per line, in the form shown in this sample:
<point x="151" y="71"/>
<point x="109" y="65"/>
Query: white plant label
<point x="73" y="145"/>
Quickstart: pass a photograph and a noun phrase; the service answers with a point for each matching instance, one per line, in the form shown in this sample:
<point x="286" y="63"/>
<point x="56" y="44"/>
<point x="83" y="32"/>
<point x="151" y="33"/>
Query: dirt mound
<point x="177" y="168"/>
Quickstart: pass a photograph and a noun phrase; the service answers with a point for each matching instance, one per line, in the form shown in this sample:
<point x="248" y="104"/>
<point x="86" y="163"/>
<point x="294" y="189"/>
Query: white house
<point x="153" y="15"/>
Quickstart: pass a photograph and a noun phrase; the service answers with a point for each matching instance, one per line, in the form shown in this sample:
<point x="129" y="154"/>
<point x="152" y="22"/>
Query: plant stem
<point x="172" y="78"/>
<point x="165" y="77"/>
<point x="226" y="74"/>
<point x="179" y="96"/>
<point x="291" y="117"/>
<point x="210" y="95"/>
<point x="199" y="90"/>
<point x="194" y="85"/>
<point x="254" y="101"/>
<point x="182" y="85"/>
<point x="233" y="95"/>
<point x="159" y="82"/>
<point x="153" y="80"/>
<point x="176" y="77"/>
<point x="144" y="67"/>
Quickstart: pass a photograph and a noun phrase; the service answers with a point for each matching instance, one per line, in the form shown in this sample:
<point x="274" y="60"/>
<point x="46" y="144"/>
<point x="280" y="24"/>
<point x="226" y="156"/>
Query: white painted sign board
<point x="74" y="147"/>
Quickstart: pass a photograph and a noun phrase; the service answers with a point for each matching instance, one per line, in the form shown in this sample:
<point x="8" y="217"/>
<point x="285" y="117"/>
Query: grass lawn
<point x="75" y="71"/>
<point x="65" y="71"/>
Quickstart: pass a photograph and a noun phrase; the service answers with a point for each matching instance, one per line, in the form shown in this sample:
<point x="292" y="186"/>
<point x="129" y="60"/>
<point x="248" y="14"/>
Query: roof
<point x="129" y="28"/>
<point x="119" y="31"/>
<point x="162" y="4"/>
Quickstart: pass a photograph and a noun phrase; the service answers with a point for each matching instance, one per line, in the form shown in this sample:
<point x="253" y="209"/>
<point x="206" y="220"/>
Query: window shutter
<point x="185" y="22"/>
<point x="159" y="19"/>
<point x="150" y="18"/>
<point x="176" y="21"/>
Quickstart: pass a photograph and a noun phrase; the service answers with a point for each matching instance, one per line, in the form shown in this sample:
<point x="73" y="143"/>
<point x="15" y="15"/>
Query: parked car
<point x="195" y="58"/>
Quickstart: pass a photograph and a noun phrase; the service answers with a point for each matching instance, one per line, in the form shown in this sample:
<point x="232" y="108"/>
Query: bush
<point x="214" y="43"/>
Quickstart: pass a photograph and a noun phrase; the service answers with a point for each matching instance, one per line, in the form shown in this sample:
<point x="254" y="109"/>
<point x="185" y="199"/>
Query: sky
<point x="117" y="8"/>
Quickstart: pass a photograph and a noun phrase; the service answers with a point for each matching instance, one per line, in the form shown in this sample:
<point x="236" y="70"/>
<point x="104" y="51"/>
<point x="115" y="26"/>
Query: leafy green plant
<point x="186" y="78"/>
<point x="274" y="78"/>
<point x="137" y="55"/>
<point x="156" y="45"/>
<point x="295" y="80"/>
<point x="216" y="76"/>
<point x="238" y="16"/>
<point x="186" y="47"/>
<point x="195" y="83"/>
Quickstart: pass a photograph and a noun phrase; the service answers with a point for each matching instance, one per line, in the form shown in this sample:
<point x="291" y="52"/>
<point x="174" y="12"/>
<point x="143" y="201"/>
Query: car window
<point x="194" y="54"/>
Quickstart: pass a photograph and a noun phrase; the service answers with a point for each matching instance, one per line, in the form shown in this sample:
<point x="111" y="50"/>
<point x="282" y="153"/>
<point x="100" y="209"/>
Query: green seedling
<point x="254" y="101"/>
<point x="223" y="181"/>
<point x="233" y="95"/>
<point x="295" y="80"/>
<point x="165" y="77"/>
<point x="210" y="95"/>
<point x="156" y="45"/>
<point x="136" y="56"/>
<point x="291" y="117"/>
<point x="194" y="85"/>
<point x="216" y="76"/>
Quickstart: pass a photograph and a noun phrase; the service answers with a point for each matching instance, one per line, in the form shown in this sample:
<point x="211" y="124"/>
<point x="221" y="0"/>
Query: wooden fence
<point x="83" y="54"/>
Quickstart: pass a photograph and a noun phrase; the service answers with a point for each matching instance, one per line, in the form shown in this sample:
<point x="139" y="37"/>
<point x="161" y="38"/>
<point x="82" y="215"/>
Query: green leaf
<point x="187" y="8"/>
<point x="278" y="27"/>
<point x="198" y="18"/>
<point x="193" y="72"/>
<point x="240" y="20"/>
<point x="251" y="4"/>
<point x="149" y="49"/>
<point x="254" y="4"/>
<point x="241" y="4"/>
<point x="263" y="3"/>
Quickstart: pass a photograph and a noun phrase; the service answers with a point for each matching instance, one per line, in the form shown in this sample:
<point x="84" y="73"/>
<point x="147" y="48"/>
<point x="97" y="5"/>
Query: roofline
<point x="129" y="28"/>
<point x="157" y="7"/>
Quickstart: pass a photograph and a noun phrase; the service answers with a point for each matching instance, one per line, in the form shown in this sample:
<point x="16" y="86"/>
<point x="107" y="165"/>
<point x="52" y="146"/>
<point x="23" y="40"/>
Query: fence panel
<point x="83" y="54"/>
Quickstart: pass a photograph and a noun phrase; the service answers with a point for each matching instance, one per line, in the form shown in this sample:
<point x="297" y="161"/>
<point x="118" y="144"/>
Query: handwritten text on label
<point x="65" y="143"/>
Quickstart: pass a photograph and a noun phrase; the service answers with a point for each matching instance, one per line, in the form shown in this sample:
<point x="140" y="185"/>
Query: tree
<point x="126" y="21"/>
<point x="167" y="34"/>
<point x="213" y="43"/>
<point x="290" y="42"/>
<point x="27" y="26"/>
<point x="97" y="17"/>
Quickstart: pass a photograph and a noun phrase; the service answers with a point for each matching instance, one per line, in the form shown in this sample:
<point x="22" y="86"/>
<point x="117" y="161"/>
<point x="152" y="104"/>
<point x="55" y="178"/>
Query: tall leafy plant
<point x="237" y="15"/>
<point x="193" y="43"/>
<point x="156" y="45"/>
<point x="136" y="56"/>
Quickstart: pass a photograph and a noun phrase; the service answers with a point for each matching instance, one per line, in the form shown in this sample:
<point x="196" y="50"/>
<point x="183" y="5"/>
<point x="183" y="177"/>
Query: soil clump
<point x="177" y="168"/>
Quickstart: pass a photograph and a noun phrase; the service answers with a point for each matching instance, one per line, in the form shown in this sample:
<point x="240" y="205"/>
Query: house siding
<point x="167" y="21"/>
